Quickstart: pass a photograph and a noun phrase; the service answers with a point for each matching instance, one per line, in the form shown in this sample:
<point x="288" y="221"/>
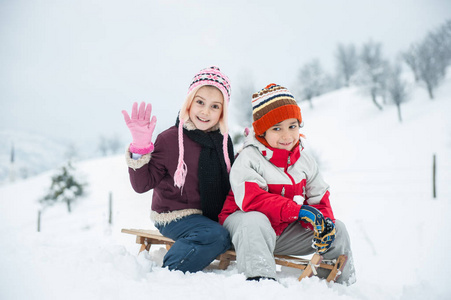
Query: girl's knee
<point x="222" y="237"/>
<point x="215" y="235"/>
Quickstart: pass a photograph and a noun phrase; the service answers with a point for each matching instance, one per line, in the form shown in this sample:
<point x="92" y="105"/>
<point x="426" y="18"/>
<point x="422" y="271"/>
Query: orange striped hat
<point x="272" y="105"/>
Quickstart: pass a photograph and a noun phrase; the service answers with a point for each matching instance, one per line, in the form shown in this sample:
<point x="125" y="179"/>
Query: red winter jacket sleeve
<point x="278" y="209"/>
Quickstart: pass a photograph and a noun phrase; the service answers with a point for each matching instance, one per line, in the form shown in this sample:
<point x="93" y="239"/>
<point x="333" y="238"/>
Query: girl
<point x="188" y="170"/>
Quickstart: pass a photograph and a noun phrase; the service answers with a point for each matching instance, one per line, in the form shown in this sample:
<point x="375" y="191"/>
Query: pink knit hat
<point x="208" y="76"/>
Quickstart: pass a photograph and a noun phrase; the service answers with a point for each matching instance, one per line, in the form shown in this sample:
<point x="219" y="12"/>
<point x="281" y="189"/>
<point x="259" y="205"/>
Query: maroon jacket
<point x="158" y="174"/>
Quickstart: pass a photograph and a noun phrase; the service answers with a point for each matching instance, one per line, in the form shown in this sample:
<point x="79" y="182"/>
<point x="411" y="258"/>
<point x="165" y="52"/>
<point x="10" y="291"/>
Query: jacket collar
<point x="283" y="158"/>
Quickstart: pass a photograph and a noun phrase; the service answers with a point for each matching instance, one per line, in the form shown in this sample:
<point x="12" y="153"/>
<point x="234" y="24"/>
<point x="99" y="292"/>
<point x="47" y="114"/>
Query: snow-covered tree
<point x="429" y="69"/>
<point x="397" y="88"/>
<point x="434" y="56"/>
<point x="411" y="59"/>
<point x="430" y="59"/>
<point x="71" y="152"/>
<point x="65" y="188"/>
<point x="109" y="145"/>
<point x="373" y="71"/>
<point x="312" y="80"/>
<point x="242" y="100"/>
<point x="103" y="145"/>
<point x="243" y="103"/>
<point x="114" y="144"/>
<point x="346" y="62"/>
<point x="441" y="39"/>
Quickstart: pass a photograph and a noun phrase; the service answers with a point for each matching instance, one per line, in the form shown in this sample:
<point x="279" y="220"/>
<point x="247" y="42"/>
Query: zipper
<point x="283" y="191"/>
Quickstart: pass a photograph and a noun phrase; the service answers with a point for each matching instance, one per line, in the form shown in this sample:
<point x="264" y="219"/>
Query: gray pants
<point x="255" y="243"/>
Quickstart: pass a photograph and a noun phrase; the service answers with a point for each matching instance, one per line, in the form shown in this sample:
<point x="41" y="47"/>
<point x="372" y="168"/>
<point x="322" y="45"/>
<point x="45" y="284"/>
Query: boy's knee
<point x="342" y="243"/>
<point x="254" y="219"/>
<point x="342" y="232"/>
<point x="248" y="226"/>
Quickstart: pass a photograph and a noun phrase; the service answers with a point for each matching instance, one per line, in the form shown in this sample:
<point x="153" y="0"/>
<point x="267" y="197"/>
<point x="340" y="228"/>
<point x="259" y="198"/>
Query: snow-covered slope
<point x="380" y="172"/>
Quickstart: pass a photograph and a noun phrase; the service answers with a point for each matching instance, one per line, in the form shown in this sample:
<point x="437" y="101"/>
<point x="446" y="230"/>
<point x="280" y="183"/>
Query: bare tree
<point x="12" y="167"/>
<point x="441" y="38"/>
<point x="103" y="145"/>
<point x="242" y="100"/>
<point x="411" y="59"/>
<point x="71" y="152"/>
<point x="312" y="80"/>
<point x="397" y="88"/>
<point x="373" y="70"/>
<point x="430" y="59"/>
<point x="346" y="61"/>
<point x="430" y="68"/>
<point x="114" y="144"/>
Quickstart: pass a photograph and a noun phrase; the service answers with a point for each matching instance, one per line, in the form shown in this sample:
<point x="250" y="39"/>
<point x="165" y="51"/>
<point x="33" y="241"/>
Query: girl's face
<point x="283" y="135"/>
<point x="206" y="108"/>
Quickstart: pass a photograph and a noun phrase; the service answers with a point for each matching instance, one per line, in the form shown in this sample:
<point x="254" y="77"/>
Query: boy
<point x="280" y="202"/>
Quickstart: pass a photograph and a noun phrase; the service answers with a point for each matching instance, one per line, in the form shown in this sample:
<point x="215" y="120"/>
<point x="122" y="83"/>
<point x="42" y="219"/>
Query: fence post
<point x="39" y="221"/>
<point x="110" y="216"/>
<point x="434" y="171"/>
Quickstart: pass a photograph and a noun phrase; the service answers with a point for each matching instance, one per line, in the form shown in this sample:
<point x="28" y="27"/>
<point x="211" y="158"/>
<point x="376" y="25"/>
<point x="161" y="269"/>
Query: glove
<point x="141" y="128"/>
<point x="323" y="241"/>
<point x="313" y="216"/>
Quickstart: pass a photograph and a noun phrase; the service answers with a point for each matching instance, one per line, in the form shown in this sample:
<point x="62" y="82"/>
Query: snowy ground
<point x="380" y="172"/>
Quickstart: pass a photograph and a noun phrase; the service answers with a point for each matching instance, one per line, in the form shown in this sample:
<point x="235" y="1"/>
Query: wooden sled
<point x="147" y="238"/>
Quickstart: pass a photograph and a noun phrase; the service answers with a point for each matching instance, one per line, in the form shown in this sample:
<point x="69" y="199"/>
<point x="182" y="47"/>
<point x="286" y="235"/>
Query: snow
<point x="380" y="172"/>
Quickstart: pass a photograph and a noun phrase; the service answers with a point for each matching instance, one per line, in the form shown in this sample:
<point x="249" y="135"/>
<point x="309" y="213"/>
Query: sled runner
<point x="147" y="238"/>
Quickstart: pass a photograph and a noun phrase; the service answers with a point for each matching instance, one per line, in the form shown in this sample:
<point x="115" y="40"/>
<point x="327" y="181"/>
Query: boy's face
<point x="283" y="135"/>
<point x="206" y="108"/>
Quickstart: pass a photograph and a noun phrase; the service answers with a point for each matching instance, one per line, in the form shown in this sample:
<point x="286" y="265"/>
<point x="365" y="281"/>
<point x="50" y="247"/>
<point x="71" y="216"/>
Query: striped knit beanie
<point x="272" y="105"/>
<point x="209" y="76"/>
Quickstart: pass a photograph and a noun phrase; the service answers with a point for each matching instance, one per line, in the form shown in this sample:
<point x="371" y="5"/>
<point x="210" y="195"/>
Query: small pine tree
<point x="64" y="188"/>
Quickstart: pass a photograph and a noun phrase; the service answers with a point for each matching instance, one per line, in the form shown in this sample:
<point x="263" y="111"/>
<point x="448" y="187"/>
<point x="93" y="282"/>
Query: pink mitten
<point x="141" y="128"/>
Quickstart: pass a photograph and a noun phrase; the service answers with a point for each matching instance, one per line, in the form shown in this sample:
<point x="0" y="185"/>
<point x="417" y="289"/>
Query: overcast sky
<point x="68" y="68"/>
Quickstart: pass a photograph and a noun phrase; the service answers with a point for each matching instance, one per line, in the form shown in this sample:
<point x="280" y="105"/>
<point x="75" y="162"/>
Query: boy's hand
<point x="141" y="128"/>
<point x="313" y="216"/>
<point x="323" y="241"/>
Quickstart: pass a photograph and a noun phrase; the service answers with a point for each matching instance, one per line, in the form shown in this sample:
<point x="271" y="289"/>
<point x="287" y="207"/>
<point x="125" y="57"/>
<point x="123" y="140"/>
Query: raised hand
<point x="141" y="127"/>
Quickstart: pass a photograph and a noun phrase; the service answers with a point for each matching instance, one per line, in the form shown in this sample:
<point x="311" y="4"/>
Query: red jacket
<point x="277" y="183"/>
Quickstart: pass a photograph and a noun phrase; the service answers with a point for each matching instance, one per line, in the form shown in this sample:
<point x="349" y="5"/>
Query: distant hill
<point x="33" y="153"/>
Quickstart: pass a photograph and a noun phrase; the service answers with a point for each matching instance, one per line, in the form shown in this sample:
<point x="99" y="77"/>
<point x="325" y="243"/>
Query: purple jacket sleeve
<point x="146" y="177"/>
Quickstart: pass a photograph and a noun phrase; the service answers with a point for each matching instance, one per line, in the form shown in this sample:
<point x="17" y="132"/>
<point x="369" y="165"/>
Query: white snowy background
<point x="380" y="172"/>
<point x="69" y="67"/>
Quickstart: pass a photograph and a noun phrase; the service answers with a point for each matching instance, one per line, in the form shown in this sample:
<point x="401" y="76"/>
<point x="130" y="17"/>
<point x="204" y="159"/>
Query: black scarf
<point x="214" y="182"/>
